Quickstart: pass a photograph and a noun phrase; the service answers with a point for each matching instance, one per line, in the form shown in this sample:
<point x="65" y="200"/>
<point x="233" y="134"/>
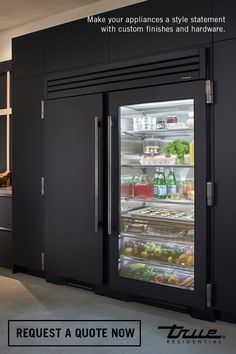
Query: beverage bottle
<point x="191" y="152"/>
<point x="156" y="184"/>
<point x="171" y="183"/>
<point x="160" y="185"/>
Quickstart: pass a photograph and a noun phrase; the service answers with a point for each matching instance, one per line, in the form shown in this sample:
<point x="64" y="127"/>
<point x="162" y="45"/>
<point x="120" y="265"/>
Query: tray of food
<point x="165" y="214"/>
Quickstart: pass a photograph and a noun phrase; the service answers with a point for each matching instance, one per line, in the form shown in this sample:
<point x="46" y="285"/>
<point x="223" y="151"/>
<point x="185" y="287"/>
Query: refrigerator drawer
<point x="158" y="274"/>
<point x="157" y="250"/>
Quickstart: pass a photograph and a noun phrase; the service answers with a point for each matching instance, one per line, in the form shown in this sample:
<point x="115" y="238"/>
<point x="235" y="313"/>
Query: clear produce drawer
<point x="158" y="251"/>
<point x="157" y="274"/>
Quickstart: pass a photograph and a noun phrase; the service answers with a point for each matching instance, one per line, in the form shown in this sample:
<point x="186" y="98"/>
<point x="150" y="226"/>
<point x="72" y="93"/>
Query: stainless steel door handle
<point x="109" y="201"/>
<point x="96" y="176"/>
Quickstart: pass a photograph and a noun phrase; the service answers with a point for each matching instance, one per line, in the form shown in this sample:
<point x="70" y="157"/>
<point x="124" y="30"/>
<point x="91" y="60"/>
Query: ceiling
<point x="17" y="12"/>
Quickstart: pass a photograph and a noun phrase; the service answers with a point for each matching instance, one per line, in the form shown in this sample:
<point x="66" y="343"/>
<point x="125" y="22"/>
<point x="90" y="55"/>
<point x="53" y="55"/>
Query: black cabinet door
<point x="27" y="172"/>
<point x="73" y="193"/>
<point x="225" y="175"/>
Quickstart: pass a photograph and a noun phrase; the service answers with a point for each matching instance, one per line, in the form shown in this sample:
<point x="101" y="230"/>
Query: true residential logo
<point x="182" y="335"/>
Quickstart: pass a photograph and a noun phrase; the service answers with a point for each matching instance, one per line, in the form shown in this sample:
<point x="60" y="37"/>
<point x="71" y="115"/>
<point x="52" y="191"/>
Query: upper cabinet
<point x="226" y="8"/>
<point x="76" y="44"/>
<point x="81" y="44"/>
<point x="28" y="62"/>
<point x="127" y="45"/>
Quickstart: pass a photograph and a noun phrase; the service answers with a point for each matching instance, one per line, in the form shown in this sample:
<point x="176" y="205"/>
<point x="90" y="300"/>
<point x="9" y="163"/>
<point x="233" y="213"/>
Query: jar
<point x="188" y="189"/>
<point x="142" y="188"/>
<point x="126" y="186"/>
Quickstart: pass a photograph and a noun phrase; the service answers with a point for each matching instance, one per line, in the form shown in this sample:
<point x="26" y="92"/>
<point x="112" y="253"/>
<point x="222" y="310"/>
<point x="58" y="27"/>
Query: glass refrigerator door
<point x="156" y="236"/>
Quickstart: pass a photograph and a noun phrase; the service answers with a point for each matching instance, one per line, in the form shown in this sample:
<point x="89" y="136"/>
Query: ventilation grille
<point x="189" y="65"/>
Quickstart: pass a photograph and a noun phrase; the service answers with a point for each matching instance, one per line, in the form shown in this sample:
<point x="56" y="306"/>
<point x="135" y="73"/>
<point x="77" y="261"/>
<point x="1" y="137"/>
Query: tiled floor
<point x="26" y="297"/>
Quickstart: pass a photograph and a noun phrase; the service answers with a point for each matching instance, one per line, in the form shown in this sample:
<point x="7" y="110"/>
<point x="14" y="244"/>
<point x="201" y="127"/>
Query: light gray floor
<point x="26" y="297"/>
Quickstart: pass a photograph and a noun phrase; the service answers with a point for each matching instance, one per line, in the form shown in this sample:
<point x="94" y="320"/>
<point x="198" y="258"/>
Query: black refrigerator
<point x="157" y="193"/>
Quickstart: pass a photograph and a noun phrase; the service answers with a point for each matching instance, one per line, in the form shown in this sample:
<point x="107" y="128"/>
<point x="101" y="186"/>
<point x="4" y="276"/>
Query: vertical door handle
<point x="96" y="177"/>
<point x="109" y="171"/>
<point x="42" y="185"/>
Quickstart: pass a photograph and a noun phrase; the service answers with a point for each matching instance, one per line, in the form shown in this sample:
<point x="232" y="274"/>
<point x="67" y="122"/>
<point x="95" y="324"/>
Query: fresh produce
<point x="190" y="261"/>
<point x="138" y="271"/>
<point x="160" y="251"/>
<point x="179" y="148"/>
<point x="128" y="251"/>
<point x="141" y="247"/>
<point x="158" y="278"/>
<point x="150" y="247"/>
<point x="135" y="252"/>
<point x="146" y="272"/>
<point x="173" y="280"/>
<point x="130" y="243"/>
<point x="144" y="254"/>
<point x="171" y="259"/>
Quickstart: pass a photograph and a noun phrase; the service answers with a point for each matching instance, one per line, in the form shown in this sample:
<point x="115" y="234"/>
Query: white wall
<point x="71" y="15"/>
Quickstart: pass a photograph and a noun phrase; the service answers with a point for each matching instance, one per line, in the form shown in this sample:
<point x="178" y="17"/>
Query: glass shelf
<point x="156" y="201"/>
<point x="161" y="132"/>
<point x="155" y="166"/>
<point x="171" y="238"/>
<point x="170" y="221"/>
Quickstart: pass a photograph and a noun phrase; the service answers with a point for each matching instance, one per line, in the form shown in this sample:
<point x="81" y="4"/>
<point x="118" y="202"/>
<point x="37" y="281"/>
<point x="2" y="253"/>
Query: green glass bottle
<point x="156" y="184"/>
<point x="160" y="184"/>
<point x="171" y="183"/>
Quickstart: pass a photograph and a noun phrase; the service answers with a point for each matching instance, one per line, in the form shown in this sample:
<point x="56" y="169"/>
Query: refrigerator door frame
<point x="196" y="298"/>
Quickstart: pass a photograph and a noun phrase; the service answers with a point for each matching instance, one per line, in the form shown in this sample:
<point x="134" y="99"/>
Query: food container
<point x="131" y="145"/>
<point x="137" y="123"/>
<point x="149" y="122"/>
<point x="161" y="125"/>
<point x="151" y="146"/>
<point x="171" y="119"/>
<point x="142" y="188"/>
<point x="178" y="125"/>
<point x="190" y="123"/>
<point x="188" y="190"/>
<point x="158" y="160"/>
<point x="161" y="251"/>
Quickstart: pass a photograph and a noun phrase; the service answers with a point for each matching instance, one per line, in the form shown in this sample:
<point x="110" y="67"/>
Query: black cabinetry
<point x="27" y="172"/>
<point x="28" y="62"/>
<point x="73" y="250"/>
<point x="5" y="228"/>
<point x="225" y="8"/>
<point x="225" y="175"/>
<point x="76" y="44"/>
